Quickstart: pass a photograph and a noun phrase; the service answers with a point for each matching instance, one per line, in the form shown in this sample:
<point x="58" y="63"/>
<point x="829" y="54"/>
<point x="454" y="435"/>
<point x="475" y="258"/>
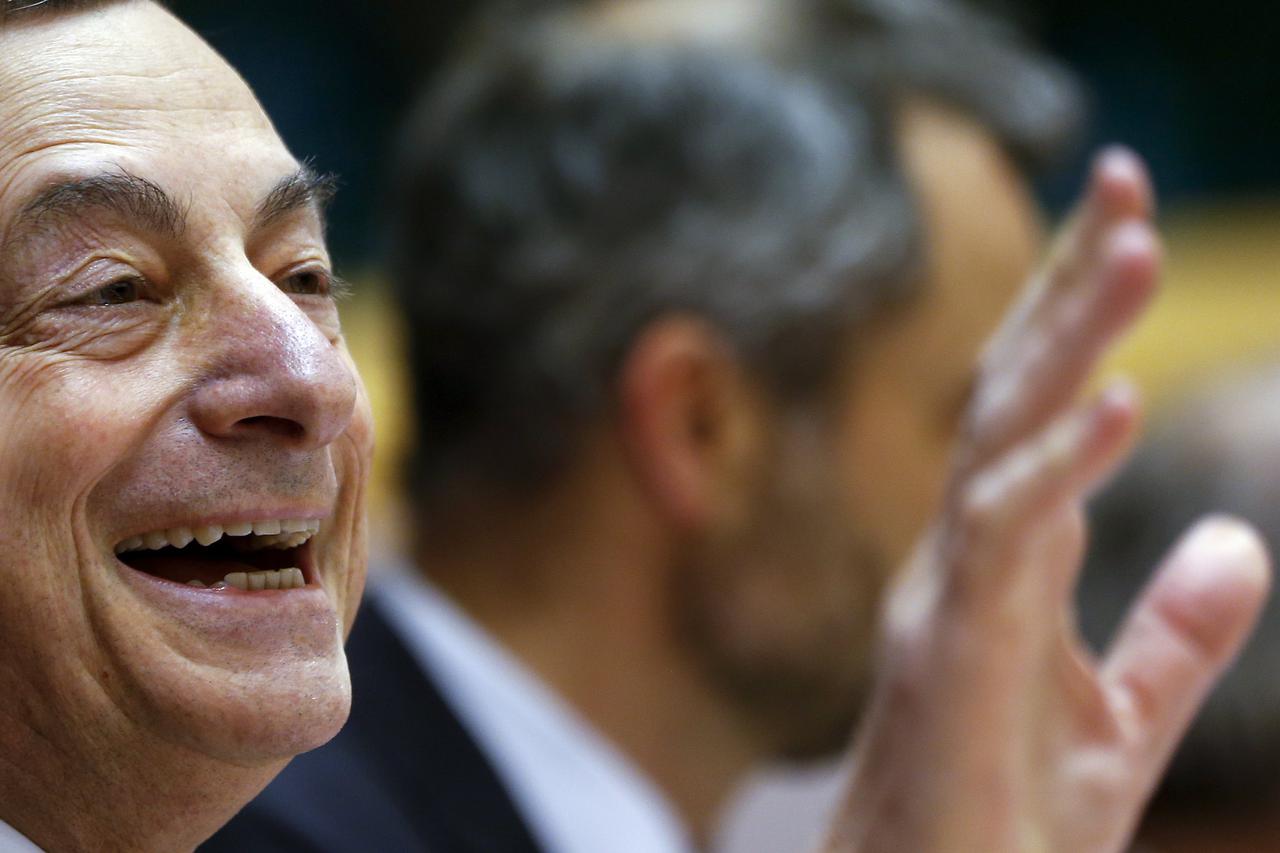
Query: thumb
<point x="1185" y="629"/>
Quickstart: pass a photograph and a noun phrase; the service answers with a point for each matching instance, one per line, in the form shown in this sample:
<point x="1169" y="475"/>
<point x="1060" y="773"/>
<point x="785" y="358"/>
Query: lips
<point x="248" y="556"/>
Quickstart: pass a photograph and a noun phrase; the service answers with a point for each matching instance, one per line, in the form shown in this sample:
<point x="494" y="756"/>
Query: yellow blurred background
<point x="1220" y="305"/>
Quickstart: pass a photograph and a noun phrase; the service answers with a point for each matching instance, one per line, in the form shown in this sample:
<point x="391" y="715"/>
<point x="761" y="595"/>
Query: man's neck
<point x="139" y="795"/>
<point x="590" y="615"/>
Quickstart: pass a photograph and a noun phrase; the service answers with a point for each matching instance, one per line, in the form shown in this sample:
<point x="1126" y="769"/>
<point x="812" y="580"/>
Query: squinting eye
<point x="117" y="293"/>
<point x="306" y="282"/>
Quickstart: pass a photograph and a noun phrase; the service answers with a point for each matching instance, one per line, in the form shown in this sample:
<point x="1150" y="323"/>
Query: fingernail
<point x="1224" y="534"/>
<point x="1119" y="173"/>
<point x="1131" y="238"/>
<point x="1226" y="564"/>
<point x="1117" y="161"/>
<point x="1121" y="392"/>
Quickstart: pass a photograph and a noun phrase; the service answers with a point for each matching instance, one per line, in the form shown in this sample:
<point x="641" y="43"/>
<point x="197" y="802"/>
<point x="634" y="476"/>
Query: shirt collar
<point x="577" y="792"/>
<point x="12" y="841"/>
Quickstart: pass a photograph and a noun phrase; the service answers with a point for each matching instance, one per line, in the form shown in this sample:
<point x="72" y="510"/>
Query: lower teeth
<point x="255" y="581"/>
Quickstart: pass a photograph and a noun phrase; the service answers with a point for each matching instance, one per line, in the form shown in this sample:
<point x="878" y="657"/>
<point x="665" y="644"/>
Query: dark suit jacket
<point x="403" y="775"/>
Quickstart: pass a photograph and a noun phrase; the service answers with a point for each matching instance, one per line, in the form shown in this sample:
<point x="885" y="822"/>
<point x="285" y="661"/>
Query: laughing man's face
<point x="179" y="416"/>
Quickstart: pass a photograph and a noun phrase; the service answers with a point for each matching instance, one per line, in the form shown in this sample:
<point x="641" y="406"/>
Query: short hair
<point x="1215" y="452"/>
<point x="556" y="192"/>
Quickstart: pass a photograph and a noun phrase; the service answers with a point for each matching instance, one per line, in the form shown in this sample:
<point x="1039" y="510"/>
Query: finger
<point x="1061" y="349"/>
<point x="1186" y="627"/>
<point x="1118" y="190"/>
<point x="1006" y="508"/>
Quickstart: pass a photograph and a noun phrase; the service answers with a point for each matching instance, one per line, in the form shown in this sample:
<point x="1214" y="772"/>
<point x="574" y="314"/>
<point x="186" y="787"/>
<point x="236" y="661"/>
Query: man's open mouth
<point x="249" y="556"/>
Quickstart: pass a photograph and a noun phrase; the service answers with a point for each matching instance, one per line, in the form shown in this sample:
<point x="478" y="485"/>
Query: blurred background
<point x="1193" y="87"/>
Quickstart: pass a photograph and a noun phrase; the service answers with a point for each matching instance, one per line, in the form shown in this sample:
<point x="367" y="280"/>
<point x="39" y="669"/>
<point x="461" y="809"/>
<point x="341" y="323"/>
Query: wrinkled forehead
<point x="126" y="87"/>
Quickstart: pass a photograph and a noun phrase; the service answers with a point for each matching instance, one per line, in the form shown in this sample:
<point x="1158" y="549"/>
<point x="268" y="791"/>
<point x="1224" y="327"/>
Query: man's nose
<point x="274" y="374"/>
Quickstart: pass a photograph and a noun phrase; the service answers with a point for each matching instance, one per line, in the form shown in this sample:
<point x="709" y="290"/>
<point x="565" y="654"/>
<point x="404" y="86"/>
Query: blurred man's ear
<point x="692" y="422"/>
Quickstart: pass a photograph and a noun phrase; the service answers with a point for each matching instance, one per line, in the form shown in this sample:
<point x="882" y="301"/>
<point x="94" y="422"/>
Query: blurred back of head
<point x="1218" y="452"/>
<point x="593" y="166"/>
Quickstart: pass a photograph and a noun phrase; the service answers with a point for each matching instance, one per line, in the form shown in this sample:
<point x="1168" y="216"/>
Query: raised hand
<point x="992" y="730"/>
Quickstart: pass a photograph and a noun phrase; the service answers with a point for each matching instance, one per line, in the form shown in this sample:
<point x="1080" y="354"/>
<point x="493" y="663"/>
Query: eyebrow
<point x="304" y="188"/>
<point x="144" y="201"/>
<point x="120" y="192"/>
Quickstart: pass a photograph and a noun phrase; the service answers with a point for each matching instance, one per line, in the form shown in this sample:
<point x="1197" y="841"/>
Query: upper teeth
<point x="273" y="533"/>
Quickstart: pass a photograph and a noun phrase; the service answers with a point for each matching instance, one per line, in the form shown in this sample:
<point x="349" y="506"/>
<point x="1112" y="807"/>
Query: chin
<point x="255" y="716"/>
<point x="249" y="678"/>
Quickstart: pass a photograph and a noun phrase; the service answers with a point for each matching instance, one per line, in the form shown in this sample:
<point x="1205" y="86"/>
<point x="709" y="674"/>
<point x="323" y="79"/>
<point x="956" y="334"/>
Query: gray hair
<point x="557" y="192"/>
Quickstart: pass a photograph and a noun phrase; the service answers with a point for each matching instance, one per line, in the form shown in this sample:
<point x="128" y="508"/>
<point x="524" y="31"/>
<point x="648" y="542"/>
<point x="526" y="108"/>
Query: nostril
<point x="281" y="427"/>
<point x="278" y="381"/>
